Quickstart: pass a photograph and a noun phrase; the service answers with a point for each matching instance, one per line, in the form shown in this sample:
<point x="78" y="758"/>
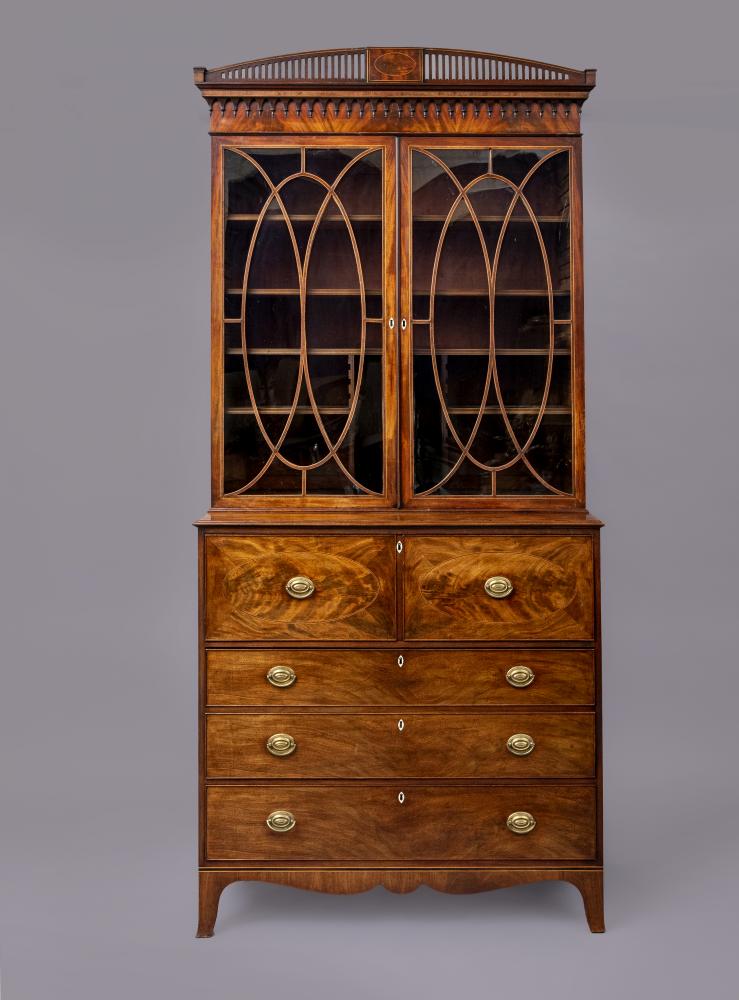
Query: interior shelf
<point x="471" y="292"/>
<point x="236" y="320"/>
<point x="453" y="410"/>
<point x="284" y="410"/>
<point x="335" y="217"/>
<point x="328" y="352"/>
<point x="344" y="292"/>
<point x="482" y="352"/>
<point x="473" y="410"/>
<point x="483" y="292"/>
<point x="279" y="217"/>
<point x="492" y="218"/>
<point x="453" y="352"/>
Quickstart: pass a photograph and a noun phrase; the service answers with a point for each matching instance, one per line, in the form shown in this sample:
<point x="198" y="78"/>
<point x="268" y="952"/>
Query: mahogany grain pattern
<point x="588" y="881"/>
<point x="372" y="603"/>
<point x="361" y="822"/>
<point x="438" y="745"/>
<point x="371" y="677"/>
<point x="552" y="577"/>
<point x="246" y="578"/>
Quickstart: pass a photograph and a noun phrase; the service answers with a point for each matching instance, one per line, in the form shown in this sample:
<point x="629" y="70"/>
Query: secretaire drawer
<point x="291" y="822"/>
<point x="497" y="587"/>
<point x="290" y="587"/>
<point x="412" y="745"/>
<point x="295" y="677"/>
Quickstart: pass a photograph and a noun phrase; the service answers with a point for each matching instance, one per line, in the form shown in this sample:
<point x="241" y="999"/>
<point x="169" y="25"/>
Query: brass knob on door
<point x="280" y="821"/>
<point x="520" y="822"/>
<point x="281" y="744"/>
<point x="281" y="677"/>
<point x="520" y="744"/>
<point x="498" y="586"/>
<point x="300" y="587"/>
<point x="520" y="676"/>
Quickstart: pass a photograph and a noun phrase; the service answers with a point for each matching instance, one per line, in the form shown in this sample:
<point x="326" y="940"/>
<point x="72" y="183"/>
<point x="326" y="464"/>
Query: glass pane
<point x="491" y="322"/>
<point x="303" y="321"/>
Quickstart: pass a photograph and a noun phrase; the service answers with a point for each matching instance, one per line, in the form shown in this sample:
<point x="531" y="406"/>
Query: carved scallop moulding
<point x="265" y="114"/>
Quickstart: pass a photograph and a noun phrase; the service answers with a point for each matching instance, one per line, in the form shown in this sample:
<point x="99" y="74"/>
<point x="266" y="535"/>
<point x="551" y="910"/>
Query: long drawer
<point x="294" y="677"/>
<point x="297" y="587"/>
<point x="499" y="587"/>
<point x="365" y="822"/>
<point x="430" y="745"/>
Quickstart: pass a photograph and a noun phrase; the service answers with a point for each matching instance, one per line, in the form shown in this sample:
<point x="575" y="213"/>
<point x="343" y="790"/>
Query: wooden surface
<point x="552" y="579"/>
<point x="589" y="882"/>
<point x="438" y="745"/>
<point x="402" y="519"/>
<point x="365" y="822"/>
<point x="359" y="66"/>
<point x="354" y="578"/>
<point x="373" y="677"/>
<point x="424" y="603"/>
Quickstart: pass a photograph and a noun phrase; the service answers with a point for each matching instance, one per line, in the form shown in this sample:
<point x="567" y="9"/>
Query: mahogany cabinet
<point x="399" y="581"/>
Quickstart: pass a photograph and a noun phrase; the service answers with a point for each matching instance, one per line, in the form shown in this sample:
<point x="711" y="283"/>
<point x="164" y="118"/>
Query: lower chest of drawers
<point x="399" y="698"/>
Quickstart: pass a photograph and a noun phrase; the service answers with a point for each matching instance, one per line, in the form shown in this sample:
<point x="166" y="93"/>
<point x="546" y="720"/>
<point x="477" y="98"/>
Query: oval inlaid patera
<point x="395" y="64"/>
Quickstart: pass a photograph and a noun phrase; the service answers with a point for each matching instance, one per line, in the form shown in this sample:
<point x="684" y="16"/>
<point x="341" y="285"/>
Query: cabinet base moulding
<point x="401" y="880"/>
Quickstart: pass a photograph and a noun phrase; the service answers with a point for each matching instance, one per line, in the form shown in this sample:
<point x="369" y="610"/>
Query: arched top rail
<point x="419" y="68"/>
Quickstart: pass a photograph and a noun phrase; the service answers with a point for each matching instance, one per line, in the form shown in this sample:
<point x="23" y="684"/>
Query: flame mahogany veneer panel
<point x="552" y="577"/>
<point x="246" y="577"/>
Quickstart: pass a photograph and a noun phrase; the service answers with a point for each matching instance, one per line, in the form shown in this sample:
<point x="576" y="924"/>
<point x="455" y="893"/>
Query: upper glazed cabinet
<point x="398" y="318"/>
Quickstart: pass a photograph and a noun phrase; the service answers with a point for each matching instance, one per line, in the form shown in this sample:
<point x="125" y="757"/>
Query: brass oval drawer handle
<point x="281" y="677"/>
<point x="300" y="587"/>
<point x="520" y="822"/>
<point x="520" y="676"/>
<point x="281" y="744"/>
<point x="520" y="744"/>
<point x="498" y="586"/>
<point x="280" y="821"/>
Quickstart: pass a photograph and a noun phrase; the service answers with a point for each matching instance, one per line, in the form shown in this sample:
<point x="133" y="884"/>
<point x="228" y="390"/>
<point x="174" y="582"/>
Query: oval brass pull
<point x="520" y="676"/>
<point x="281" y="677"/>
<point x="520" y="744"/>
<point x="520" y="822"/>
<point x="281" y="744"/>
<point x="498" y="586"/>
<point x="280" y="821"/>
<point x="300" y="587"/>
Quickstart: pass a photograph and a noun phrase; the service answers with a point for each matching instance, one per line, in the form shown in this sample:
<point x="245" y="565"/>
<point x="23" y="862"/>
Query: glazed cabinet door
<point x="304" y="356"/>
<point x="490" y="297"/>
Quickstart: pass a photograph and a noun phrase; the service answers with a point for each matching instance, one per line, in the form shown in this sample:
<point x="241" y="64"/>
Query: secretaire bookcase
<point x="399" y="581"/>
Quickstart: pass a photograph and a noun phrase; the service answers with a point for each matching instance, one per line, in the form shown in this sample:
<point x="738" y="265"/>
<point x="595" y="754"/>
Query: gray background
<point x="104" y="398"/>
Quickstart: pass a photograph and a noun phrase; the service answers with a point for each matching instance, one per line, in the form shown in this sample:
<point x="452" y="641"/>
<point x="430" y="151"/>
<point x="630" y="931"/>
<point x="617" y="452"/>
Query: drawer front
<point x="430" y="745"/>
<point x="247" y="577"/>
<point x="552" y="587"/>
<point x="406" y="677"/>
<point x="370" y="823"/>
